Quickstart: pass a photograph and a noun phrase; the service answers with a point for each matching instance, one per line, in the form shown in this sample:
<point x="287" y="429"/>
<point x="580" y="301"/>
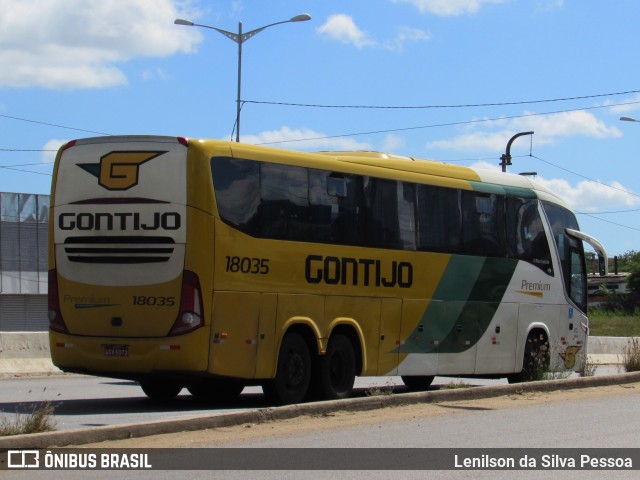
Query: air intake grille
<point x="119" y="250"/>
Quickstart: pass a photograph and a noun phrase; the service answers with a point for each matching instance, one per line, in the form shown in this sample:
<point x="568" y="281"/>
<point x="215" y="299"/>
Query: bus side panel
<point x="235" y="321"/>
<point x="388" y="356"/>
<point x="496" y="349"/>
<point x="414" y="334"/>
<point x="243" y="335"/>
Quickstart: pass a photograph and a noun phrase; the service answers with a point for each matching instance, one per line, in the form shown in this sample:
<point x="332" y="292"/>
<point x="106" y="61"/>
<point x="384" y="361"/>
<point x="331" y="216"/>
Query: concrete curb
<point x="135" y="430"/>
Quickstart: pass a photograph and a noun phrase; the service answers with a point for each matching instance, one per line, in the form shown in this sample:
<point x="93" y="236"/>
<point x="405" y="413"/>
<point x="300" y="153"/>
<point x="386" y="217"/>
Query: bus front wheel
<point x="337" y="369"/>
<point x="417" y="383"/>
<point x="536" y="359"/>
<point x="293" y="372"/>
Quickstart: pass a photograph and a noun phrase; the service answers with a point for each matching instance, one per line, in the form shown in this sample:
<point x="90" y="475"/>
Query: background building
<point x="24" y="220"/>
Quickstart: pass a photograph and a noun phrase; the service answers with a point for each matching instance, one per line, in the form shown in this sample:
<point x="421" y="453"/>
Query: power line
<point x="607" y="213"/>
<point x="53" y="125"/>
<point x="419" y="107"/>
<point x="609" y="221"/>
<point x="586" y="178"/>
<point x="27" y="150"/>
<point x="26" y="171"/>
<point x="449" y="124"/>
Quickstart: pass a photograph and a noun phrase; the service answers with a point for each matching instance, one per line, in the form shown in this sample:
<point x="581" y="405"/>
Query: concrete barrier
<point x="27" y="353"/>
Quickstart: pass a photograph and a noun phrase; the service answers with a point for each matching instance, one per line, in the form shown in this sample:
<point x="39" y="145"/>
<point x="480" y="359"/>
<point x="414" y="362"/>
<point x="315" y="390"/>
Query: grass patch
<point x="380" y="391"/>
<point x="605" y="323"/>
<point x="455" y="385"/>
<point x="631" y="356"/>
<point x="39" y="419"/>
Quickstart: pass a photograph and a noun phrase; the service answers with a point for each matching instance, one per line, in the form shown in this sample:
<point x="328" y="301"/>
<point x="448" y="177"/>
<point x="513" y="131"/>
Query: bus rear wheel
<point x="160" y="389"/>
<point x="337" y="371"/>
<point x="417" y="383"/>
<point x="293" y="373"/>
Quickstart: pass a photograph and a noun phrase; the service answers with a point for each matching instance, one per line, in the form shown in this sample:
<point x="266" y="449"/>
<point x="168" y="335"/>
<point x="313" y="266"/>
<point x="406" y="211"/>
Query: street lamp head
<point x="628" y="119"/>
<point x="303" y="17"/>
<point x="182" y="21"/>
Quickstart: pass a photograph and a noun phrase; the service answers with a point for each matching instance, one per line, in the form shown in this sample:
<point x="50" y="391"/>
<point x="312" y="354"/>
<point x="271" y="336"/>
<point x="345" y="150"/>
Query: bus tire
<point x="218" y="390"/>
<point x="293" y="372"/>
<point x="536" y="359"/>
<point x="160" y="389"/>
<point x="417" y="383"/>
<point x="337" y="370"/>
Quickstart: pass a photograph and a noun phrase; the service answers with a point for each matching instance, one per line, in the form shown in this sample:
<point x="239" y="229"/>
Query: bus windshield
<point x="570" y="251"/>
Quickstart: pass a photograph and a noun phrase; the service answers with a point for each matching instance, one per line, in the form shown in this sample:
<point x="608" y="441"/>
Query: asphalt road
<point x="586" y="421"/>
<point x="82" y="402"/>
<point x="85" y="402"/>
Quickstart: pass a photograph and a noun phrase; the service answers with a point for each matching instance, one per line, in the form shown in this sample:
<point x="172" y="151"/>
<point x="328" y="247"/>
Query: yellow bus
<point x="210" y="265"/>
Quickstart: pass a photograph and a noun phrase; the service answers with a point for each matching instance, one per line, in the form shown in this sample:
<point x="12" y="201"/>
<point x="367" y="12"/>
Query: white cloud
<point x="549" y="5"/>
<point x="304" y="138"/>
<point x="632" y="105"/>
<point x="79" y="43"/>
<point x="342" y="28"/>
<point x="406" y="34"/>
<point x="50" y="149"/>
<point x="590" y="196"/>
<point x="585" y="196"/>
<point x="547" y="128"/>
<point x="449" y="8"/>
<point x="392" y="143"/>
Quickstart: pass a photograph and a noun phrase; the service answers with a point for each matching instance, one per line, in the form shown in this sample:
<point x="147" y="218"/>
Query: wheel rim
<point x="295" y="370"/>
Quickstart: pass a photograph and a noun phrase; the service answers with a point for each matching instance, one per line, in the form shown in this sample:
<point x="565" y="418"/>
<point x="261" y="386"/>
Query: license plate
<point x="116" y="350"/>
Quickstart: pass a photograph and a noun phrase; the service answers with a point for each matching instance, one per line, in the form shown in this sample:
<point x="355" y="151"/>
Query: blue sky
<point x="484" y="70"/>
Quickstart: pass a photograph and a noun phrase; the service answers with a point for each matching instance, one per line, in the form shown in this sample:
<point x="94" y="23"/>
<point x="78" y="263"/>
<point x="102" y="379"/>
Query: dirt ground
<point x="318" y="423"/>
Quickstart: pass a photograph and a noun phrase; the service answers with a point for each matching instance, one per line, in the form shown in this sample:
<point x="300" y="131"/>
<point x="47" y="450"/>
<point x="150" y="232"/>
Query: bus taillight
<point x="190" y="314"/>
<point x="55" y="316"/>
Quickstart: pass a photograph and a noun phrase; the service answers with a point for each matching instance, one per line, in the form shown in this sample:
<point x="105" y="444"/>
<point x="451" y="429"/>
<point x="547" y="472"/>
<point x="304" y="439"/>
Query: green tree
<point x="629" y="261"/>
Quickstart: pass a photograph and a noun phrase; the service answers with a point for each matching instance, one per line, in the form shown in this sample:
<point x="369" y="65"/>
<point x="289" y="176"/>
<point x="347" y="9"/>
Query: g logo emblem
<point x="569" y="356"/>
<point x="119" y="170"/>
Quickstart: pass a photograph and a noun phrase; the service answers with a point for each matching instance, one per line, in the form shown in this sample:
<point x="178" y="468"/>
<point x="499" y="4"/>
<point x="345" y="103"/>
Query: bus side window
<point x="284" y="208"/>
<point x="336" y="207"/>
<point x="237" y="190"/>
<point x="439" y="219"/>
<point x="481" y="223"/>
<point x="525" y="233"/>
<point x="382" y="212"/>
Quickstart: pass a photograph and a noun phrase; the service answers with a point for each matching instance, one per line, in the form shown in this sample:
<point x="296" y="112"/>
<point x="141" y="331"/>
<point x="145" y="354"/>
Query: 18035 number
<point x="255" y="266"/>
<point x="145" y="301"/>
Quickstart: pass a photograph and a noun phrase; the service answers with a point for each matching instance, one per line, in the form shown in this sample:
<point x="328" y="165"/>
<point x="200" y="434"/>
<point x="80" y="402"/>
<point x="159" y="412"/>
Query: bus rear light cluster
<point x="190" y="314"/>
<point x="56" y="322"/>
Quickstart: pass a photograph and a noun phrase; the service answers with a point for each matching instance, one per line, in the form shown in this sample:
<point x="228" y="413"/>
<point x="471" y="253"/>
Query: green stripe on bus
<point x="503" y="190"/>
<point x="463" y="305"/>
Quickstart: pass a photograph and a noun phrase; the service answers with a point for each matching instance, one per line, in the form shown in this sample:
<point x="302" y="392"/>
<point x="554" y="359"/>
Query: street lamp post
<point x="240" y="38"/>
<point x="629" y="119"/>
<point x="505" y="159"/>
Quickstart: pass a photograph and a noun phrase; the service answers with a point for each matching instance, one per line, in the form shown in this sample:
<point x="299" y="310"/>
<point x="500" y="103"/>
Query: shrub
<point x="39" y="419"/>
<point x="631" y="356"/>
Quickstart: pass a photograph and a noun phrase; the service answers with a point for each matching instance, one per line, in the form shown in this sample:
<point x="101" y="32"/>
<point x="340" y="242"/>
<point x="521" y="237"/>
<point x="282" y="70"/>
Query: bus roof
<point x="436" y="168"/>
